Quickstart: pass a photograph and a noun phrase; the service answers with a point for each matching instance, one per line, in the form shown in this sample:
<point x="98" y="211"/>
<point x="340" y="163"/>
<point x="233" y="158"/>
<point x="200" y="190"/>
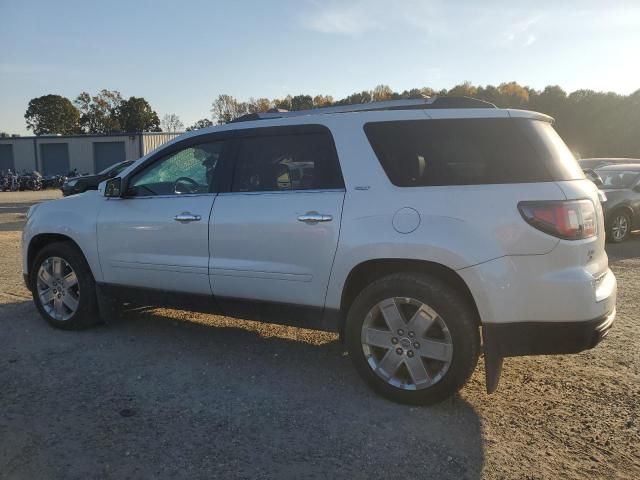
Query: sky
<point x="180" y="55"/>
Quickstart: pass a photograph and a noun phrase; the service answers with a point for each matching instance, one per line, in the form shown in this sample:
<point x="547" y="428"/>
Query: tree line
<point x="594" y="124"/>
<point x="105" y="112"/>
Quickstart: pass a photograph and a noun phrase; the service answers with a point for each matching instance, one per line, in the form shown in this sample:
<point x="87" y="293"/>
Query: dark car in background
<point x="81" y="184"/>
<point x="593" y="163"/>
<point x="621" y="184"/>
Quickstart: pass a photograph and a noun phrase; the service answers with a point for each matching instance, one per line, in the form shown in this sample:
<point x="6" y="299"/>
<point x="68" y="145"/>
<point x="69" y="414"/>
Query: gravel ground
<point x="164" y="394"/>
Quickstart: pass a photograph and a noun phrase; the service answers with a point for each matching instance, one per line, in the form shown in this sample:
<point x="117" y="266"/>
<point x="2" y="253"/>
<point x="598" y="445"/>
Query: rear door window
<point x="470" y="152"/>
<point x="301" y="161"/>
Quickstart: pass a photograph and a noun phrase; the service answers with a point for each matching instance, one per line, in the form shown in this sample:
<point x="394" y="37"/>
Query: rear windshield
<point x="617" y="178"/>
<point x="417" y="153"/>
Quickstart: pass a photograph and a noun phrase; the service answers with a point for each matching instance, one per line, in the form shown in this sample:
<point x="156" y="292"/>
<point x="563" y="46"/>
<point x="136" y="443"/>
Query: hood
<point x="94" y="177"/>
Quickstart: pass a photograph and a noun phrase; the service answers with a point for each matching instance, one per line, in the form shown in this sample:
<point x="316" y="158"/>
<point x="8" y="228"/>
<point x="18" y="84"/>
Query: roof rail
<point x="404" y="104"/>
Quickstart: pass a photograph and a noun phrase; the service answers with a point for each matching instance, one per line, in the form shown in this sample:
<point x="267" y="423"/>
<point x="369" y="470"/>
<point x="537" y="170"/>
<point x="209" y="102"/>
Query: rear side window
<point x="303" y="161"/>
<point x="470" y="152"/>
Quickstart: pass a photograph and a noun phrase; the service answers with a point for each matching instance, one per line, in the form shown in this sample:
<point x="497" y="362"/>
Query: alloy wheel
<point x="619" y="227"/>
<point x="58" y="288"/>
<point x="406" y="343"/>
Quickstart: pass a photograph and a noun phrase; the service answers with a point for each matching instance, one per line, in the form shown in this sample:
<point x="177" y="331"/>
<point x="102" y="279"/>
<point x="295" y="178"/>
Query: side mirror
<point x="113" y="187"/>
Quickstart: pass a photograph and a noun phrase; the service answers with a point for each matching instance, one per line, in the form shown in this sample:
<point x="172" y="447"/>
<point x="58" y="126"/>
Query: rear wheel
<point x="63" y="287"/>
<point x="619" y="227"/>
<point x="413" y="338"/>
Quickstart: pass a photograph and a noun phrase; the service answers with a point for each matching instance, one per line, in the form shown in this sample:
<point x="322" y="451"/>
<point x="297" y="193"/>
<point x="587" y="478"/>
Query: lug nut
<point x="400" y="331"/>
<point x="410" y="353"/>
<point x="394" y="340"/>
<point x="416" y="345"/>
<point x="411" y="334"/>
<point x="399" y="351"/>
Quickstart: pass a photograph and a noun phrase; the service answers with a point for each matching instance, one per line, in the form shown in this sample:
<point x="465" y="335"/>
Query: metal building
<point x="55" y="154"/>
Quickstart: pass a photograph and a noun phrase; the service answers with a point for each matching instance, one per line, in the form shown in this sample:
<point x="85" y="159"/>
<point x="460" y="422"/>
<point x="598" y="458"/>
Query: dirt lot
<point x="162" y="393"/>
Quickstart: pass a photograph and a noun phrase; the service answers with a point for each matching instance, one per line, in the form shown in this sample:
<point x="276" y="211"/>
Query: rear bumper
<point x="545" y="338"/>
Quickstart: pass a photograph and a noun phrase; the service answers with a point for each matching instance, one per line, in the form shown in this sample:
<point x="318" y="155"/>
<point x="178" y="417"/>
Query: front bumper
<point x="545" y="338"/>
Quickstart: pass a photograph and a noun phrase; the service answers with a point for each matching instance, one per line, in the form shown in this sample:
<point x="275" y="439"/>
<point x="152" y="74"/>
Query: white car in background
<point x="423" y="231"/>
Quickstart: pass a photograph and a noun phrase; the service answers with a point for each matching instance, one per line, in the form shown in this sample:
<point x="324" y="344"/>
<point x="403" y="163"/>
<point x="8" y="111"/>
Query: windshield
<point x="115" y="169"/>
<point x="617" y="178"/>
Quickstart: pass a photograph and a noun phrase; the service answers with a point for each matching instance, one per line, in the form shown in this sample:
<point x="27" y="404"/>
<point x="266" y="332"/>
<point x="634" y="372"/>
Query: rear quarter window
<point x="470" y="152"/>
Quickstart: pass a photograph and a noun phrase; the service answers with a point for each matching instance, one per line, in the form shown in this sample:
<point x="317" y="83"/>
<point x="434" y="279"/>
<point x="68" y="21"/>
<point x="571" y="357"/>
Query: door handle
<point x="185" y="217"/>
<point x="314" y="217"/>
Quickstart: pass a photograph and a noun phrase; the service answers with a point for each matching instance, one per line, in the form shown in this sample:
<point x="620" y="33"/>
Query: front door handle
<point x="314" y="217"/>
<point x="185" y="217"/>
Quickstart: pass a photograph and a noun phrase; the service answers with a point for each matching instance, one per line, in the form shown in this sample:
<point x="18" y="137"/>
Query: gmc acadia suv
<point x="407" y="226"/>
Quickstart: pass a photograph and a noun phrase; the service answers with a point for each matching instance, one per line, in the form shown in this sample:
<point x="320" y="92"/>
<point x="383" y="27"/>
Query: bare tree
<point x="171" y="123"/>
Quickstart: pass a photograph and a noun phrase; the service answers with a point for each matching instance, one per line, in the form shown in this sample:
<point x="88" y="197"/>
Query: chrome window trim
<point x="176" y="195"/>
<point x="280" y="192"/>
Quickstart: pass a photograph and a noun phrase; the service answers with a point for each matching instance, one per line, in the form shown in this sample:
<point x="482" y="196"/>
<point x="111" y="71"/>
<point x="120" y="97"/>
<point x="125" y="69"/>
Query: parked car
<point x="408" y="227"/>
<point x="79" y="184"/>
<point x="621" y="184"/>
<point x="594" y="163"/>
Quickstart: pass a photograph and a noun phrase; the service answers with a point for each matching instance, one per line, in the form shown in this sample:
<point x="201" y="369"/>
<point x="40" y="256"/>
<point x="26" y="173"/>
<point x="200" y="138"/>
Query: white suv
<point x="407" y="226"/>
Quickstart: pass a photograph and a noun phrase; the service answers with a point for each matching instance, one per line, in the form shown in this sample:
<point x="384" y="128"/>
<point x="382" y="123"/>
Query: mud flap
<point x="492" y="362"/>
<point x="107" y="308"/>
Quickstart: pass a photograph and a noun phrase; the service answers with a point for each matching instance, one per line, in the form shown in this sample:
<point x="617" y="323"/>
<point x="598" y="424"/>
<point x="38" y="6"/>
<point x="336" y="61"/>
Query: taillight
<point x="570" y="220"/>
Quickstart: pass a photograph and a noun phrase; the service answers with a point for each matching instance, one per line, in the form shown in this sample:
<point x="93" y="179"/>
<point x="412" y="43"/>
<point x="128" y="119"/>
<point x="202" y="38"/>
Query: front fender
<point x="72" y="217"/>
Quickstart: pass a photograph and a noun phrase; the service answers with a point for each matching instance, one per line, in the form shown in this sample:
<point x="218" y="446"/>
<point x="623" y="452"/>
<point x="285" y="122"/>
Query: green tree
<point x="301" y="102"/>
<point x="356" y="98"/>
<point x="52" y="114"/>
<point x="284" y="103"/>
<point x="136" y="115"/>
<point x="204" y="123"/>
<point x="98" y="114"/>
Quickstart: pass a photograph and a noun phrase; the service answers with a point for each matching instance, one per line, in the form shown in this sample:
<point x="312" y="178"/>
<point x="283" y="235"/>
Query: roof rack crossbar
<point x="404" y="104"/>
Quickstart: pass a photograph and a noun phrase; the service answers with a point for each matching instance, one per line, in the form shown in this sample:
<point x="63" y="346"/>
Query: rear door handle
<point x="314" y="217"/>
<point x="186" y="217"/>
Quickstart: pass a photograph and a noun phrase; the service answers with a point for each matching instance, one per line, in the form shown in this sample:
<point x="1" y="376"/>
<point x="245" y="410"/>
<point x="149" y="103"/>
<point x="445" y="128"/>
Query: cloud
<point x="356" y="17"/>
<point x="520" y="34"/>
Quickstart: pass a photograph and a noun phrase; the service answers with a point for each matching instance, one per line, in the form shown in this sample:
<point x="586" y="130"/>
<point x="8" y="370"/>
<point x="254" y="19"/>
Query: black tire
<point x="611" y="223"/>
<point x="459" y="317"/>
<point x="86" y="314"/>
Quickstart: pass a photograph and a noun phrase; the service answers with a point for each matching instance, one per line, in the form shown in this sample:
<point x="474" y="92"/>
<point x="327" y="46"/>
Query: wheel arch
<point x="371" y="270"/>
<point x="38" y="242"/>
<point x="623" y="208"/>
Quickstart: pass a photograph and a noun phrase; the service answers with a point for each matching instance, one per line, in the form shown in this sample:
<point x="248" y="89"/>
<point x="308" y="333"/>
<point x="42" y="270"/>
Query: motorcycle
<point x="9" y="182"/>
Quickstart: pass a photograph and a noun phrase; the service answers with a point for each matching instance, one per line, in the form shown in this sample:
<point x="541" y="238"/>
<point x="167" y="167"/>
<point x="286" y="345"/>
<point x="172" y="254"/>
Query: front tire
<point x="413" y="338"/>
<point x="619" y="227"/>
<point x="63" y="287"/>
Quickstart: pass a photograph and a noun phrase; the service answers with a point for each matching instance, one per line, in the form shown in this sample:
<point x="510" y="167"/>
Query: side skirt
<point x="315" y="318"/>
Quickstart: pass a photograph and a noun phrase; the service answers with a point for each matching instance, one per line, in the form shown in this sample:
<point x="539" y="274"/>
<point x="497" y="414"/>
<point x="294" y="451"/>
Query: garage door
<point x="54" y="158"/>
<point x="6" y="157"/>
<point x="106" y="154"/>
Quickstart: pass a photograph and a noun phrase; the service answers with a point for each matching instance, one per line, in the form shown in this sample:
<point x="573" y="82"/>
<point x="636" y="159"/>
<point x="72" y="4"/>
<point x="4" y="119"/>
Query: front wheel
<point x="413" y="338"/>
<point x="619" y="227"/>
<point x="63" y="287"/>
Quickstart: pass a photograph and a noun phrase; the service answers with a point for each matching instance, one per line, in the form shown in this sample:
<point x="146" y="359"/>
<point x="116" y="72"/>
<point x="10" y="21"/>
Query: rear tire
<point x="421" y="357"/>
<point x="63" y="287"/>
<point x="619" y="227"/>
